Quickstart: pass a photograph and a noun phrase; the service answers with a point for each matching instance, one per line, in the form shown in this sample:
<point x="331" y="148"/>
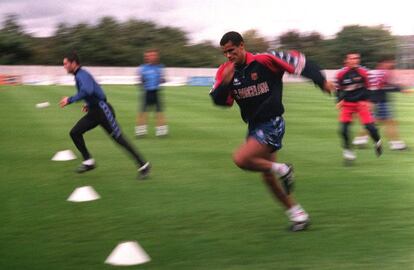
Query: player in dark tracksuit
<point x="98" y="112"/>
<point x="255" y="83"/>
<point x="352" y="85"/>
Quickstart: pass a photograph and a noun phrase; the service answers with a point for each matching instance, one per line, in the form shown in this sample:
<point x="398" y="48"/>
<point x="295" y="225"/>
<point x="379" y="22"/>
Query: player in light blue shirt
<point x="151" y="74"/>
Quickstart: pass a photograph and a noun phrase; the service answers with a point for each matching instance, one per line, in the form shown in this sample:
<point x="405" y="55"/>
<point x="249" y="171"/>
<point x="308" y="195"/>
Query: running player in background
<point x="255" y="83"/>
<point x="98" y="112"/>
<point x="382" y="84"/>
<point x="353" y="98"/>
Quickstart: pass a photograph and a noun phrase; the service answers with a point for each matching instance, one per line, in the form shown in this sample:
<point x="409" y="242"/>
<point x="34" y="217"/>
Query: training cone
<point x="128" y="253"/>
<point x="64" y="155"/>
<point x="83" y="194"/>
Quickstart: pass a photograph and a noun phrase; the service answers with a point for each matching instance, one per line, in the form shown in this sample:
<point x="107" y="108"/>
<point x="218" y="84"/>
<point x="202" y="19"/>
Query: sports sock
<point x="280" y="169"/>
<point x="373" y="132"/>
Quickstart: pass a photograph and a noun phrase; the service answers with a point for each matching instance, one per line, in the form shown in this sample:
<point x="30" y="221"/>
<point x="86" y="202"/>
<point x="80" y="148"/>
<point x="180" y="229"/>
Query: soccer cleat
<point x="348" y="155"/>
<point x="299" y="226"/>
<point x="299" y="218"/>
<point x="361" y="141"/>
<point x="397" y="145"/>
<point x="84" y="168"/>
<point x="144" y="171"/>
<point x="378" y="148"/>
<point x="288" y="179"/>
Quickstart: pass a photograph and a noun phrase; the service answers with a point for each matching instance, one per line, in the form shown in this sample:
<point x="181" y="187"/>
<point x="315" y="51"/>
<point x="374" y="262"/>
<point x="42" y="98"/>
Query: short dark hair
<point x="386" y="58"/>
<point x="150" y="50"/>
<point x="72" y="56"/>
<point x="352" y="52"/>
<point x="232" y="36"/>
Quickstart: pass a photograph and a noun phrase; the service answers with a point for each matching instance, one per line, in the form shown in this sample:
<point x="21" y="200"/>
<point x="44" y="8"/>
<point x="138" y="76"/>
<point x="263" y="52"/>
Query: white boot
<point x="360" y="140"/>
<point x="296" y="214"/>
<point x="397" y="145"/>
<point x="348" y="154"/>
<point x="298" y="217"/>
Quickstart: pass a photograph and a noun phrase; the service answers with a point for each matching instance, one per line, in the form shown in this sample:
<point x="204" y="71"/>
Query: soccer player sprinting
<point x="352" y="85"/>
<point x="98" y="112"/>
<point x="255" y="83"/>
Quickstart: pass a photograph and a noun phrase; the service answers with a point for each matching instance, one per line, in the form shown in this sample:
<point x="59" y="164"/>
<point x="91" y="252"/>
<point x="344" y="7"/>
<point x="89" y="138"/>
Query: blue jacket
<point x="88" y="89"/>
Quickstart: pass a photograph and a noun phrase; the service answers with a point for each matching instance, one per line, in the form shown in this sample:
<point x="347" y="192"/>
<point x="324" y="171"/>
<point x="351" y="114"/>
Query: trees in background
<point x="113" y="43"/>
<point x="371" y="42"/>
<point x="15" y="45"/>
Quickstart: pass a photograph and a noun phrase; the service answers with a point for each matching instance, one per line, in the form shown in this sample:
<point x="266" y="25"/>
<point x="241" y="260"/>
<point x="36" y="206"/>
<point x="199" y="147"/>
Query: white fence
<point x="47" y="75"/>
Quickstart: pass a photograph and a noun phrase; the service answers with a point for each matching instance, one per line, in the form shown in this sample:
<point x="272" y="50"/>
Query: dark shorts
<point x="383" y="111"/>
<point x="270" y="132"/>
<point x="151" y="98"/>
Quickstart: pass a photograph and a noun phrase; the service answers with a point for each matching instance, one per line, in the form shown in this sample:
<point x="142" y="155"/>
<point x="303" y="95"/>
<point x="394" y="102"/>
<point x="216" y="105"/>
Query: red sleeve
<point x="219" y="76"/>
<point x="292" y="62"/>
<point x="338" y="78"/>
<point x="218" y="87"/>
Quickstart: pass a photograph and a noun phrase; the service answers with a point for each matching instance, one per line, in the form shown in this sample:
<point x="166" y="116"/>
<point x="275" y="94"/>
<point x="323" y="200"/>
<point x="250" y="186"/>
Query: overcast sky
<point x="210" y="19"/>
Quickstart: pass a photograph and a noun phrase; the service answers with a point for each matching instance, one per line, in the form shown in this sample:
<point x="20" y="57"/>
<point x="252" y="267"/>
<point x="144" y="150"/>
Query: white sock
<point x="280" y="169"/>
<point x="89" y="162"/>
<point x="161" y="130"/>
<point x="295" y="208"/>
<point x="297" y="214"/>
<point x="141" y="130"/>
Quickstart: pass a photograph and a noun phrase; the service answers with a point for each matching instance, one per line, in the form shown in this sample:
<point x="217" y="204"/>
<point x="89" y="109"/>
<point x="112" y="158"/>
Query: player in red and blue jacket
<point x="255" y="83"/>
<point x="352" y="84"/>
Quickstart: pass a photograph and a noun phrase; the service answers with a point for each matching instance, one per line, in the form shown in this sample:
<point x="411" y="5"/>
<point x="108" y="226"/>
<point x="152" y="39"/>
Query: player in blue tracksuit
<point x="98" y="112"/>
<point x="152" y="76"/>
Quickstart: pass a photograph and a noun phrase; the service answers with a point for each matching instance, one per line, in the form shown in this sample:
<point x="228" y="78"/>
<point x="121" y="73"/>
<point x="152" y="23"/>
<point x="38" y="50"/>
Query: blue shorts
<point x="270" y="132"/>
<point x="383" y="111"/>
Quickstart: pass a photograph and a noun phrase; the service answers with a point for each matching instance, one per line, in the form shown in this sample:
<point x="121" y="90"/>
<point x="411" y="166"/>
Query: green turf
<point x="198" y="211"/>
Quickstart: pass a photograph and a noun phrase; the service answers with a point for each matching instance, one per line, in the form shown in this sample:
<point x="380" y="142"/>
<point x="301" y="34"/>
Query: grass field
<point x="198" y="211"/>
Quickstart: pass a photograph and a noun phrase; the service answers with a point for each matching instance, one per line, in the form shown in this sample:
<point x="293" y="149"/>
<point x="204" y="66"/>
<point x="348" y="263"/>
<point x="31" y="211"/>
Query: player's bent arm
<point x="295" y="62"/>
<point x="312" y="71"/>
<point x="85" y="85"/>
<point x="80" y="95"/>
<point x="221" y="95"/>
